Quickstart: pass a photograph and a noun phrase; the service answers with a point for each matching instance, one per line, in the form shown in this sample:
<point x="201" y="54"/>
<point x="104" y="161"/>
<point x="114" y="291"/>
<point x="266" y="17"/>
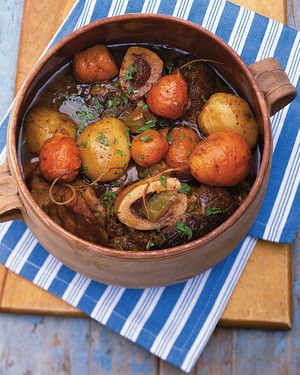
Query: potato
<point x="42" y="123"/>
<point x="149" y="148"/>
<point x="224" y="112"/>
<point x="169" y="97"/>
<point x="59" y="157"/>
<point x="183" y="141"/>
<point x="222" y="159"/>
<point x="94" y="64"/>
<point x="104" y="149"/>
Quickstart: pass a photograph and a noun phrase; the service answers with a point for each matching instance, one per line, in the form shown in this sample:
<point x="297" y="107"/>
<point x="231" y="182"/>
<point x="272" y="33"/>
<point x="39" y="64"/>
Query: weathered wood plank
<point x="3" y="271"/>
<point x="167" y="369"/>
<point x="44" y="17"/>
<point x="67" y="346"/>
<point x="293" y="13"/>
<point x="10" y="21"/>
<point x="263" y="298"/>
<point x="275" y="9"/>
<point x="22" y="297"/>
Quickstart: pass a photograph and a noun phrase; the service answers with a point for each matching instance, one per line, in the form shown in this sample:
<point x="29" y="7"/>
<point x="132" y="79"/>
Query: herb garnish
<point x="213" y="211"/>
<point x="142" y="157"/>
<point x="149" y="125"/>
<point x="120" y="152"/>
<point x="163" y="180"/>
<point x="82" y="144"/>
<point x="96" y="103"/>
<point x="183" y="230"/>
<point x="169" y="138"/>
<point x="150" y="244"/>
<point x="170" y="67"/>
<point x="129" y="75"/>
<point x="128" y="138"/>
<point x="102" y="139"/>
<point x="142" y="175"/>
<point x="203" y="98"/>
<point x="114" y="102"/>
<point x="146" y="138"/>
<point x="125" y="99"/>
<point x="181" y="136"/>
<point x="130" y="90"/>
<point x="108" y="199"/>
<point x="184" y="188"/>
<point x="144" y="107"/>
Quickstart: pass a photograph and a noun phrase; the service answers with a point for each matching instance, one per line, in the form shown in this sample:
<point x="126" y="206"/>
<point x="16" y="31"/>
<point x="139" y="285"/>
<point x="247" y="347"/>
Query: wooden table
<point x="248" y="306"/>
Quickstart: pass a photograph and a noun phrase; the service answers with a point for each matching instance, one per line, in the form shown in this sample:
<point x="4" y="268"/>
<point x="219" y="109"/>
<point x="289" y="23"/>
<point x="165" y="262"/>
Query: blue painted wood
<point x="10" y="26"/>
<point x="51" y="345"/>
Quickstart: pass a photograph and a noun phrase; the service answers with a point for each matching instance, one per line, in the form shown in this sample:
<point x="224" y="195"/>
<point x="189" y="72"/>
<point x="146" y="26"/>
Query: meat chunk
<point x="202" y="83"/>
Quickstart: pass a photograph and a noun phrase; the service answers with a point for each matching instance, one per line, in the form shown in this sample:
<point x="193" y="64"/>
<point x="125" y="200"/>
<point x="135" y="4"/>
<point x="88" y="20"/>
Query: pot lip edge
<point x="143" y="254"/>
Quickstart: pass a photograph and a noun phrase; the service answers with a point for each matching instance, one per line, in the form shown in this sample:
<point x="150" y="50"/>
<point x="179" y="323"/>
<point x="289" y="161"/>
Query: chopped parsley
<point x="184" y="188"/>
<point x="150" y="244"/>
<point x="96" y="103"/>
<point x="183" y="230"/>
<point x="169" y="138"/>
<point x="213" y="211"/>
<point x="82" y="144"/>
<point x="128" y="138"/>
<point x="120" y="152"/>
<point x="163" y="180"/>
<point x="114" y="102"/>
<point x="146" y="138"/>
<point x="142" y="175"/>
<point x="149" y="125"/>
<point x="181" y="136"/>
<point x="102" y="139"/>
<point x="170" y="67"/>
<point x="115" y="84"/>
<point x="203" y="98"/>
<point x="189" y="66"/>
<point x="144" y="107"/>
<point x="108" y="199"/>
<point x="142" y="157"/>
<point x="158" y="229"/>
<point x="24" y="140"/>
<point x="125" y="99"/>
<point x="130" y="73"/>
<point x="130" y="90"/>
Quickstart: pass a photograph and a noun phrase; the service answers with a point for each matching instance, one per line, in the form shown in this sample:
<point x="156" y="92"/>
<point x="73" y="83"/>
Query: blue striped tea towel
<point x="175" y="322"/>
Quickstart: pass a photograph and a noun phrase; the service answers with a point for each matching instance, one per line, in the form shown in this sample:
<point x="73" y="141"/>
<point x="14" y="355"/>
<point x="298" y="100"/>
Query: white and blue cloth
<point x="175" y="322"/>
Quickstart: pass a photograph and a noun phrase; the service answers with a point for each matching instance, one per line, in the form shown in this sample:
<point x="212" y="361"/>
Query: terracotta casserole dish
<point x="264" y="85"/>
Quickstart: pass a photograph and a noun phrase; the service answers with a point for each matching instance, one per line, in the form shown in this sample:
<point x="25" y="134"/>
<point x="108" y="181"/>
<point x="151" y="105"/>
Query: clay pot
<point x="265" y="86"/>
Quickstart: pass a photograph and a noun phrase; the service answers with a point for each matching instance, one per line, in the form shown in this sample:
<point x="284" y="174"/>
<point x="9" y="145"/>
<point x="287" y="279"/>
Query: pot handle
<point x="274" y="84"/>
<point x="10" y="201"/>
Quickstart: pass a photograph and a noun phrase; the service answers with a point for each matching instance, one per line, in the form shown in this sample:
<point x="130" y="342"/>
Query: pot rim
<point x="12" y="152"/>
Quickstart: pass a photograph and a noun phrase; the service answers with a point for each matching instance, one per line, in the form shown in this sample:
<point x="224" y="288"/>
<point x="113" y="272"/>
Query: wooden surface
<point x="45" y="345"/>
<point x="248" y="305"/>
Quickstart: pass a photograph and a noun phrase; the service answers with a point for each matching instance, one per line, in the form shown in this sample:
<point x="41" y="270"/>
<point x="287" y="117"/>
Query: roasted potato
<point x="183" y="141"/>
<point x="59" y="157"/>
<point x="104" y="149"/>
<point x="228" y="112"/>
<point x="221" y="159"/>
<point x="169" y="97"/>
<point x="94" y="64"/>
<point x="149" y="148"/>
<point x="41" y="123"/>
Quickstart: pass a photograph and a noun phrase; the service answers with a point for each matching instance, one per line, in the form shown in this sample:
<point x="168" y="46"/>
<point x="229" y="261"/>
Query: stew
<point x="138" y="147"/>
